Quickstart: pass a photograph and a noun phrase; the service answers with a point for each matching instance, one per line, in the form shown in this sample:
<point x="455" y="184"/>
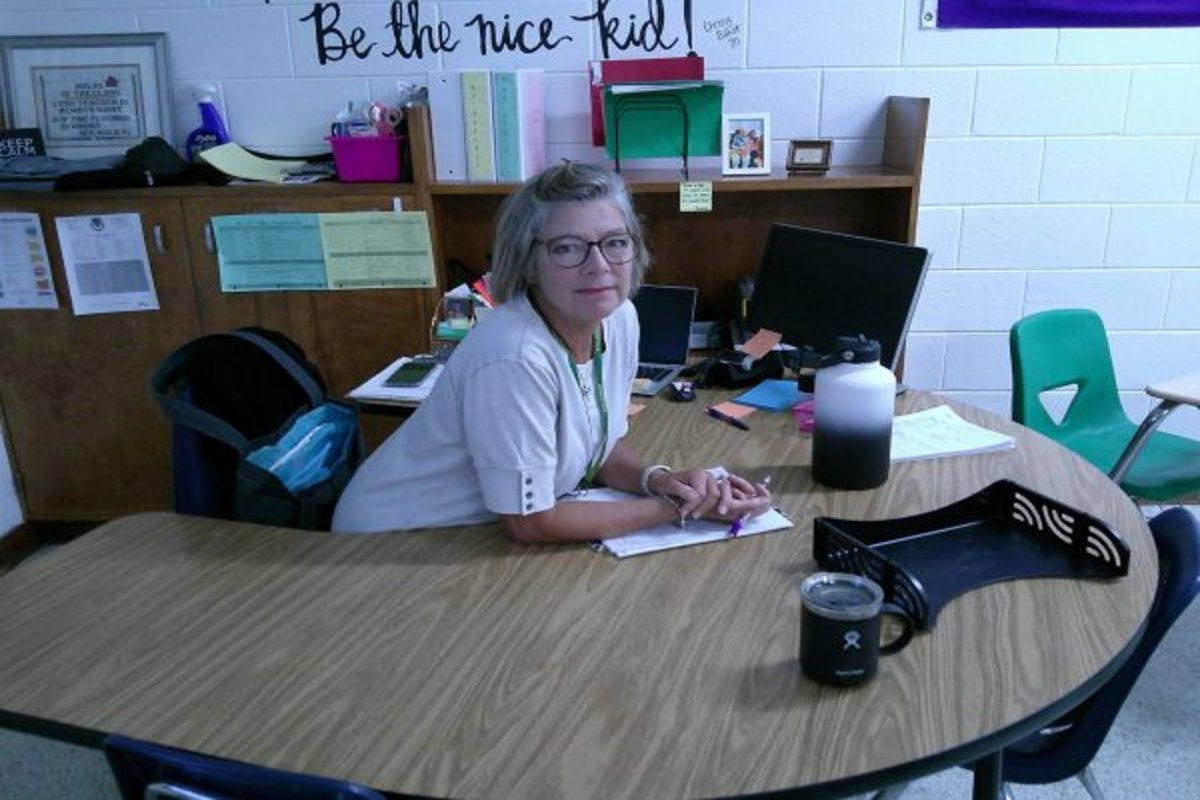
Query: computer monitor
<point x="665" y="316"/>
<point x="814" y="286"/>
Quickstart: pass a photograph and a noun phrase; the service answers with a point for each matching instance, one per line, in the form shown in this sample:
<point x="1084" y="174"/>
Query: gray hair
<point x="521" y="216"/>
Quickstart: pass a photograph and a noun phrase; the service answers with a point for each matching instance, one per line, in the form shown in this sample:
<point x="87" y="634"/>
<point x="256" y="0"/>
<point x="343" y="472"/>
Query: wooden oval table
<point x="454" y="663"/>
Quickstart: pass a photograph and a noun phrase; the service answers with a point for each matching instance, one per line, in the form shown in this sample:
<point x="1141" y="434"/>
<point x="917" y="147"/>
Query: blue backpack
<point x="254" y="437"/>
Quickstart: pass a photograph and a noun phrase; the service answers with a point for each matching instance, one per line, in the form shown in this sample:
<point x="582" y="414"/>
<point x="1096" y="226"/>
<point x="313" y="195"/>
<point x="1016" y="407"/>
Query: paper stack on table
<point x="937" y="432"/>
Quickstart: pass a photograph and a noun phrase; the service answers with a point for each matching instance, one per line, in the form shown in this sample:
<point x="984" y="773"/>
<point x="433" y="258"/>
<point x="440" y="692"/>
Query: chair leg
<point x="1140" y="438"/>
<point x="892" y="792"/>
<point x="1090" y="784"/>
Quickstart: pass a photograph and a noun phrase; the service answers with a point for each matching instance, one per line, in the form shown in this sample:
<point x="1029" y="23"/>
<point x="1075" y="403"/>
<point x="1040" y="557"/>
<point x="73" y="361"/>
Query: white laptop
<point x="665" y="315"/>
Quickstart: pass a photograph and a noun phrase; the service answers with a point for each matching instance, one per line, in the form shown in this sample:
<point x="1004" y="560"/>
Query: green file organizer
<point x="663" y="120"/>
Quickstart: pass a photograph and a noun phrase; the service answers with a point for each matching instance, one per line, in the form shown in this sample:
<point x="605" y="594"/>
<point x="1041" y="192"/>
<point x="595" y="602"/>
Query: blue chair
<point x="1065" y="748"/>
<point x="145" y="770"/>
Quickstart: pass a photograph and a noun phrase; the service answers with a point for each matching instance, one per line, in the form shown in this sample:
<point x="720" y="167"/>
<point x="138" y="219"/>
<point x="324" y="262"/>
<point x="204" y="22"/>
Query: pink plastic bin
<point x="367" y="158"/>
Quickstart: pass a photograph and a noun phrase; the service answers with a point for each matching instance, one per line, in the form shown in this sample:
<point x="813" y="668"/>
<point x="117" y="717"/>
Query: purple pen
<point x="740" y="522"/>
<point x="736" y="527"/>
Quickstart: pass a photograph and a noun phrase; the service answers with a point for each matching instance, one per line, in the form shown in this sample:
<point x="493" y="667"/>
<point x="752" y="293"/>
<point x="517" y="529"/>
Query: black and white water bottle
<point x="854" y="401"/>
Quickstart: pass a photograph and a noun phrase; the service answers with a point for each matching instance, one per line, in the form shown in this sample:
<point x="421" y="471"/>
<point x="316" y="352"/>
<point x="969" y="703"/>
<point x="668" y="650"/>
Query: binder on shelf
<point x="477" y="124"/>
<point x="531" y="108"/>
<point x="663" y="119"/>
<point x="635" y="70"/>
<point x="446" y="123"/>
<point x="506" y="122"/>
<point x="519" y="120"/>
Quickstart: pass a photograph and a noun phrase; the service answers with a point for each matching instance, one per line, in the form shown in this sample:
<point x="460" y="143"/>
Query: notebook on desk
<point x="665" y="314"/>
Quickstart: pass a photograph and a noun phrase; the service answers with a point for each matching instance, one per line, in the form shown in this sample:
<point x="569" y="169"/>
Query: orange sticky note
<point x="761" y="343"/>
<point x="735" y="410"/>
<point x="635" y="408"/>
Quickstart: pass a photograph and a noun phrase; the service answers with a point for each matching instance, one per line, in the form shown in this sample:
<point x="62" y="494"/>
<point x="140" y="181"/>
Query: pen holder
<point x="367" y="158"/>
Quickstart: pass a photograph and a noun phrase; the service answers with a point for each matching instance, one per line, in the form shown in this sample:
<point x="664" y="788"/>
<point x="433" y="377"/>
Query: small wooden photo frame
<point x="746" y="144"/>
<point x="809" y="155"/>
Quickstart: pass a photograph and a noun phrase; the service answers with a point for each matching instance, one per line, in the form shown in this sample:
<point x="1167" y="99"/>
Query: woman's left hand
<point x="700" y="494"/>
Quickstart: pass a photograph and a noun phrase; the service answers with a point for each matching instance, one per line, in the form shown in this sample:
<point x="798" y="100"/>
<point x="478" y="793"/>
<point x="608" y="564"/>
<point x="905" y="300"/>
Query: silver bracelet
<point x="648" y="473"/>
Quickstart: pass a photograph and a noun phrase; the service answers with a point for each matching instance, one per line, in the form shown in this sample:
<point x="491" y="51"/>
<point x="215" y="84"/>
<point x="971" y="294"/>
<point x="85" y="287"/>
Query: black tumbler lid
<point x="839" y="595"/>
<point x="855" y="350"/>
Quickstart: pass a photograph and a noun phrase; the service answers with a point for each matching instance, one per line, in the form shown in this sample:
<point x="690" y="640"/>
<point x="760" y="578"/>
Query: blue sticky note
<point x="771" y="395"/>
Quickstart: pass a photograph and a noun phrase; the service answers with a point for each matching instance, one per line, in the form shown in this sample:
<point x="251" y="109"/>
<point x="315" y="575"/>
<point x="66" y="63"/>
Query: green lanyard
<point x="597" y="458"/>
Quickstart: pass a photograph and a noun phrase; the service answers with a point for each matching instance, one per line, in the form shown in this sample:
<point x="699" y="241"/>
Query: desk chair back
<point x="1068" y="347"/>
<point x="138" y="766"/>
<point x="1066" y="747"/>
<point x="1057" y="349"/>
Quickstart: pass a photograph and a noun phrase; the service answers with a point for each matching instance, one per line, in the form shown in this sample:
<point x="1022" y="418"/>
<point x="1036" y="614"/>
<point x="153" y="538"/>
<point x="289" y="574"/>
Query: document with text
<point x="107" y="267"/>
<point x="25" y="278"/>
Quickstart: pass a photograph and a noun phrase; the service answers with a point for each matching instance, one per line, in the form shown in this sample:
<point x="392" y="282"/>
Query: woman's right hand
<point x="689" y="489"/>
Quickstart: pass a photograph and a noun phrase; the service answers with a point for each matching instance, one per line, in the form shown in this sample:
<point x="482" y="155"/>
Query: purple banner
<point x="1067" y="13"/>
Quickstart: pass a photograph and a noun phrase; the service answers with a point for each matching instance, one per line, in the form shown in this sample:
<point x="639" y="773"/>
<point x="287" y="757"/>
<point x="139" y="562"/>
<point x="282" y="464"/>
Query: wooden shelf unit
<point x="712" y="250"/>
<point x="86" y="440"/>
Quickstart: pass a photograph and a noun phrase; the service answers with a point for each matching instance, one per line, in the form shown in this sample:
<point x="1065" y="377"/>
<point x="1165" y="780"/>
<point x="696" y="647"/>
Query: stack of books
<point x="488" y="125"/>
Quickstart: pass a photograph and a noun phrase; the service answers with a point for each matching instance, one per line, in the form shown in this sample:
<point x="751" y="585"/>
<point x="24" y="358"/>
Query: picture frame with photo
<point x="809" y="155"/>
<point x="746" y="143"/>
<point x="89" y="95"/>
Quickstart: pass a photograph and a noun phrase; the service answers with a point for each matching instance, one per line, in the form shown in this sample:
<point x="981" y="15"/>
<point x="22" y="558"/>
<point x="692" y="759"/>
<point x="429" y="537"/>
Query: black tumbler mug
<point x="840" y="628"/>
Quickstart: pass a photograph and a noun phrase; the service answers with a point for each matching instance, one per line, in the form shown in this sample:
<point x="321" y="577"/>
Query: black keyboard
<point x="653" y="373"/>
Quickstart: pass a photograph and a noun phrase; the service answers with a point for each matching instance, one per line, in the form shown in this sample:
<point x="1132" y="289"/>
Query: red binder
<point x="636" y="70"/>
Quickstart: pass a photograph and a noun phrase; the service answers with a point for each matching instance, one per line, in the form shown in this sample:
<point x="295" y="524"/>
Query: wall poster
<point x="1059" y="13"/>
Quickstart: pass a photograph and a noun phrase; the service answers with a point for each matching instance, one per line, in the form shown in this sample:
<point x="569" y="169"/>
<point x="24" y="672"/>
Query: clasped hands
<point x="698" y="494"/>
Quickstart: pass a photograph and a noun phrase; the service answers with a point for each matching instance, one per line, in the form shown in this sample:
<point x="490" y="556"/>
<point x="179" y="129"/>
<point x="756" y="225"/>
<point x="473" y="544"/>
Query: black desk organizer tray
<point x="1000" y="533"/>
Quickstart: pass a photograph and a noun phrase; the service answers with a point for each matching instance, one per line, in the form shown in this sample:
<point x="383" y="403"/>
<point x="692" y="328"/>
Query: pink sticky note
<point x="761" y="343"/>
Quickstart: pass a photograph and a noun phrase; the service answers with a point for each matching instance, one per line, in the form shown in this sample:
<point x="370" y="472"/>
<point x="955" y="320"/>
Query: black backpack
<point x="231" y="394"/>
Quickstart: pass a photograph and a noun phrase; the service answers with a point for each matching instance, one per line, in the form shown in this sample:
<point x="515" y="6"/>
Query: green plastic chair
<point x="1068" y="347"/>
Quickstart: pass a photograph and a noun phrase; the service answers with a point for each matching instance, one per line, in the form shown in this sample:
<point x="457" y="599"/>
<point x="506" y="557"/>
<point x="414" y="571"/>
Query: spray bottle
<point x="212" y="130"/>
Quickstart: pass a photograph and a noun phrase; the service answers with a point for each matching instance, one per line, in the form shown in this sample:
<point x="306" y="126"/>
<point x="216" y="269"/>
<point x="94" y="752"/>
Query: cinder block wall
<point x="1063" y="166"/>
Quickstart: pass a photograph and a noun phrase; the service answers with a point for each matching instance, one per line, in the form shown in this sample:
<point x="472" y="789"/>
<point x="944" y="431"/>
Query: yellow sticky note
<point x="695" y="196"/>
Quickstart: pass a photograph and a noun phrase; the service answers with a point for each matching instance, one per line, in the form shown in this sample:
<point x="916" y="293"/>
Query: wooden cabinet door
<point x="88" y="441"/>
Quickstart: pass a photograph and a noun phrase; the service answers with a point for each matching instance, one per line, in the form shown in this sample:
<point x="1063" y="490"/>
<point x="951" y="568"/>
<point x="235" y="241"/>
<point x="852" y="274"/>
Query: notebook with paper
<point x="669" y="536"/>
<point x="665" y="314"/>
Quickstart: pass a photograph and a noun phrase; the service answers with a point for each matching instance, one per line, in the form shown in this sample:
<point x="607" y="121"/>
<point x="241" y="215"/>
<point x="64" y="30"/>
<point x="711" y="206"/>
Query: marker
<point x="728" y="420"/>
<point x="740" y="522"/>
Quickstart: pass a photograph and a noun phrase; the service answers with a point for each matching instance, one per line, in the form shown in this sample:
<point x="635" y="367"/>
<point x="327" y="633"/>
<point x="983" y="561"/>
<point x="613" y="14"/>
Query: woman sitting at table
<point x="531" y="407"/>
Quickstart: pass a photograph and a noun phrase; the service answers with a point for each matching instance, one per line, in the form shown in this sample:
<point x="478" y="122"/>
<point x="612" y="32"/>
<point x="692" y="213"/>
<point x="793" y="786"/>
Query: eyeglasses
<point x="570" y="252"/>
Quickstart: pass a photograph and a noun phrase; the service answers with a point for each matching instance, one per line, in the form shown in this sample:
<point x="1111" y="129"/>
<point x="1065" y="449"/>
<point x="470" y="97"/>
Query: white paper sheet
<point x="106" y="263"/>
<point x="25" y="278"/>
<point x="937" y="432"/>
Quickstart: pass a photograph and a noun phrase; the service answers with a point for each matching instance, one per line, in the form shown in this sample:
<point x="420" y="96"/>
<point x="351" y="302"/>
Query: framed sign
<point x="21" y="142"/>
<point x="746" y="139"/>
<point x="89" y="95"/>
